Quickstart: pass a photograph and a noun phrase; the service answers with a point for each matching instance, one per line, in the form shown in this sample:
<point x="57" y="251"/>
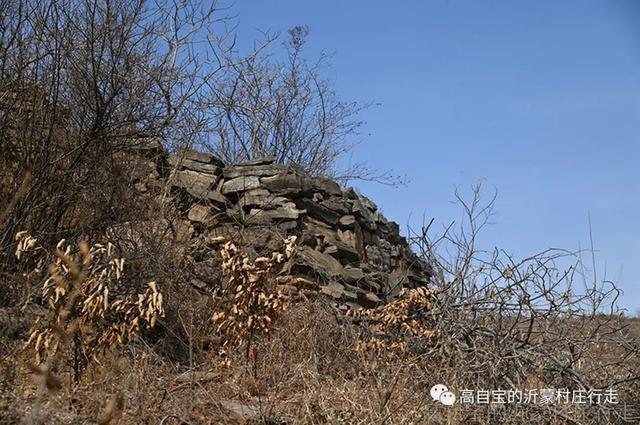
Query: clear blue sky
<point x="539" y="98"/>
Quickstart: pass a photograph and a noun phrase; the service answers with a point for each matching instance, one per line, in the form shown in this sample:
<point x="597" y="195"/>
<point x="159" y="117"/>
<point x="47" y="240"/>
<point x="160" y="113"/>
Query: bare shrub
<point x="398" y="325"/>
<point x="80" y="83"/>
<point x="89" y="304"/>
<point x="264" y="107"/>
<point x="536" y="322"/>
<point x="249" y="300"/>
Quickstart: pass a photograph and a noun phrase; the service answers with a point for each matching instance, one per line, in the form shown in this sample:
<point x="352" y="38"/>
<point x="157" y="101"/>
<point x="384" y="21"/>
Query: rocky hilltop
<point x="346" y="248"/>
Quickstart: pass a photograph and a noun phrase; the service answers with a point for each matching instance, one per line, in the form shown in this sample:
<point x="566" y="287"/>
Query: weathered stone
<point x="380" y="258"/>
<point x="327" y="186"/>
<point x="265" y="216"/>
<point x="334" y="290"/>
<point x="189" y="178"/>
<point x="353" y="275"/>
<point x="317" y="228"/>
<point x="202" y="192"/>
<point x="253" y="170"/>
<point x="311" y="262"/>
<point x="287" y="184"/>
<point x="195" y="165"/>
<point x="336" y="204"/>
<point x="367" y="203"/>
<point x="342" y="237"/>
<point x="199" y="213"/>
<point x="397" y="280"/>
<point x="265" y="160"/>
<point x="347" y="221"/>
<point x="240" y="184"/>
<point x="341" y="250"/>
<point x="184" y="230"/>
<point x="198" y="185"/>
<point x="202" y="157"/>
<point x="362" y="207"/>
<point x="319" y="212"/>
<point x="263" y="199"/>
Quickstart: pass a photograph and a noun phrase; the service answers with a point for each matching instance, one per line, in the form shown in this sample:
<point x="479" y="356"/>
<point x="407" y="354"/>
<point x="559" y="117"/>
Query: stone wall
<point x="347" y="248"/>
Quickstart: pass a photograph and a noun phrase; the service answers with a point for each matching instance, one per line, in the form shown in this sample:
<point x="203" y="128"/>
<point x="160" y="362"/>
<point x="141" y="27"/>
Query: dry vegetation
<point x="100" y="350"/>
<point x="99" y="322"/>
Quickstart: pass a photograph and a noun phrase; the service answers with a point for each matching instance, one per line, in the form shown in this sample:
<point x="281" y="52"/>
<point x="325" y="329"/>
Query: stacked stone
<point x="347" y="248"/>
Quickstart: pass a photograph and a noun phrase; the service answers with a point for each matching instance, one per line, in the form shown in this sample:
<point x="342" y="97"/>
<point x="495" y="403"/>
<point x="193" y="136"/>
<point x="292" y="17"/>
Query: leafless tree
<point x="81" y="81"/>
<point x="264" y="106"/>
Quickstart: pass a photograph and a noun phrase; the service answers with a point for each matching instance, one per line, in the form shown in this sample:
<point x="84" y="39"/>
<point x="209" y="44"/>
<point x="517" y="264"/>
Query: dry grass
<point x="307" y="372"/>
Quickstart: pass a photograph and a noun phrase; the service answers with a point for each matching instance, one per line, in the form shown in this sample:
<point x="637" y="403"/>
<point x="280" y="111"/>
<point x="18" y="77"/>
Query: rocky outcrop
<point x="346" y="248"/>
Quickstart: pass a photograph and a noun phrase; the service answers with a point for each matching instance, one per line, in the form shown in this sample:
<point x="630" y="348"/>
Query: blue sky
<point x="541" y="99"/>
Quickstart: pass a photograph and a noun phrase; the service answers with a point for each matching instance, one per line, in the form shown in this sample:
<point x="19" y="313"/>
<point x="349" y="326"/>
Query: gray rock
<point x="378" y="257"/>
<point x="341" y="250"/>
<point x="336" y="204"/>
<point x="265" y="160"/>
<point x="334" y="290"/>
<point x="253" y="170"/>
<point x="199" y="213"/>
<point x="347" y="221"/>
<point x="326" y="185"/>
<point x="198" y="284"/>
<point x="360" y="210"/>
<point x="353" y="275"/>
<point x="263" y="199"/>
<point x="198" y="185"/>
<point x="319" y="212"/>
<point x="195" y="166"/>
<point x="310" y="262"/>
<point x="266" y="216"/>
<point x="241" y="184"/>
<point x="202" y="157"/>
<point x="202" y="192"/>
<point x="287" y="184"/>
<point x="188" y="178"/>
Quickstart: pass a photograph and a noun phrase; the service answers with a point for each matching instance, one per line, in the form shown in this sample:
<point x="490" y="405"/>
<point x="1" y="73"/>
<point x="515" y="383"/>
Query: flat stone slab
<point x="264" y="170"/>
<point x="241" y="184"/>
<point x="186" y="178"/>
<point x="287" y="184"/>
<point x="199" y="185"/>
<point x="327" y="186"/>
<point x="308" y="260"/>
<point x="341" y="250"/>
<point x="265" y="160"/>
<point x="319" y="212"/>
<point x="195" y="165"/>
<point x="202" y="157"/>
<point x="258" y="215"/>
